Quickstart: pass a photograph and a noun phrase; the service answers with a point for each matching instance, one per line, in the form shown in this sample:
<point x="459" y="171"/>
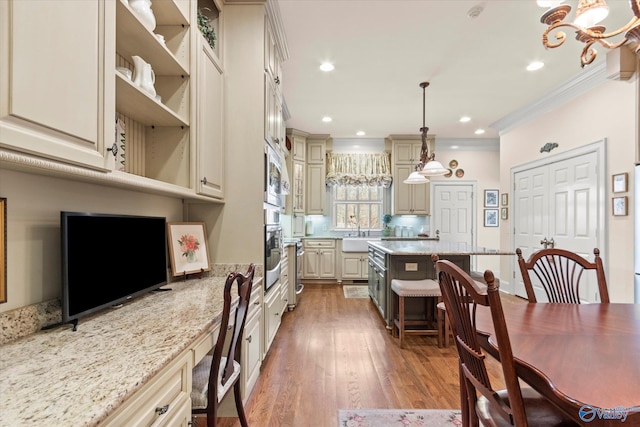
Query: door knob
<point x="544" y="242"/>
<point x="552" y="244"/>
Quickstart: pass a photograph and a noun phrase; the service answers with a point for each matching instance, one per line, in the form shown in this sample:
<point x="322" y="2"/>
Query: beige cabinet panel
<point x="316" y="190"/>
<point x="298" y="225"/>
<point x="354" y="266"/>
<point x="316" y="152"/>
<point x="272" y="315"/>
<point x="409" y="199"/>
<point x="57" y="79"/>
<point x="251" y="353"/>
<point x="407" y="152"/>
<point x="210" y="135"/>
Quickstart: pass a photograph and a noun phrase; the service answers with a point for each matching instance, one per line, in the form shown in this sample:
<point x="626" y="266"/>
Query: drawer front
<point x="320" y="243"/>
<point x="204" y="345"/>
<point x="159" y="400"/>
<point x="255" y="303"/>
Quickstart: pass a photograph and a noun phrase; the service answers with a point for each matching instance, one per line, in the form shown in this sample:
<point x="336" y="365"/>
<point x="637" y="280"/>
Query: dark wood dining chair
<point x="513" y="406"/>
<point x="215" y="374"/>
<point x="560" y="272"/>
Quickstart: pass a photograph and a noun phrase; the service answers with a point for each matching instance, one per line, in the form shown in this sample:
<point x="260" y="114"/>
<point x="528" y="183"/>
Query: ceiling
<point x="383" y="49"/>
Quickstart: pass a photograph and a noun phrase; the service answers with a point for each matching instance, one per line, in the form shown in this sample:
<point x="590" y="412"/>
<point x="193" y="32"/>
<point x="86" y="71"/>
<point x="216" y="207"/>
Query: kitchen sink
<point x="357" y="244"/>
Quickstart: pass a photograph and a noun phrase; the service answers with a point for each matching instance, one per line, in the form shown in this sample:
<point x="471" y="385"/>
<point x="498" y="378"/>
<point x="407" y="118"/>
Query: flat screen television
<point x="108" y="259"/>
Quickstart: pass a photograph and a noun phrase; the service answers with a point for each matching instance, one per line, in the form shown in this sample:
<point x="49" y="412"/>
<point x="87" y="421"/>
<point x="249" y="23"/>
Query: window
<point x="355" y="206"/>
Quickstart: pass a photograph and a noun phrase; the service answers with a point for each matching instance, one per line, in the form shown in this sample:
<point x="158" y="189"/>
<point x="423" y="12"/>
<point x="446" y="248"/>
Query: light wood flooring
<point x="335" y="353"/>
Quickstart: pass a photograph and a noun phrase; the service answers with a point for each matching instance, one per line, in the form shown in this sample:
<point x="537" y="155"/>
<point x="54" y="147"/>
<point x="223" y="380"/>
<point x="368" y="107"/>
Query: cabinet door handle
<point x="204" y="180"/>
<point x="256" y="303"/>
<point x="162" y="409"/>
<point x="249" y="339"/>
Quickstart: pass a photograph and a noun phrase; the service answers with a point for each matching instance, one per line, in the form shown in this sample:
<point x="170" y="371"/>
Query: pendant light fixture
<point x="428" y="165"/>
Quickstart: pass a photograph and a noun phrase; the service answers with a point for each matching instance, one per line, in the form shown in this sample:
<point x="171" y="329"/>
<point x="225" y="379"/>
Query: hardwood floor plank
<point x="335" y="353"/>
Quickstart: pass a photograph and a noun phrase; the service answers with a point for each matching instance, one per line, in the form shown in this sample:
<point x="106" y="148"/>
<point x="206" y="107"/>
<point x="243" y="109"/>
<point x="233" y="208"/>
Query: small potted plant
<point x="386" y="219"/>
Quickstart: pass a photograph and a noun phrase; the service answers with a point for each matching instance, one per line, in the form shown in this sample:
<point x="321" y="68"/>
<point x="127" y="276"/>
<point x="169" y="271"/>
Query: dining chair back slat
<point x="561" y="274"/>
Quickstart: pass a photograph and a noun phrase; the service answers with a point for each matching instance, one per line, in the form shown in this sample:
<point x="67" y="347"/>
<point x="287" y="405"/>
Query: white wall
<point x="34" y="203"/>
<point x="610" y="112"/>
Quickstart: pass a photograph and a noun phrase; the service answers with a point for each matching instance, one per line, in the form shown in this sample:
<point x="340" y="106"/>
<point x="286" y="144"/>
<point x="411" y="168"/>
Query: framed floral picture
<point x="491" y="217"/>
<point x="188" y="247"/>
<point x="491" y="198"/>
<point x="619" y="206"/>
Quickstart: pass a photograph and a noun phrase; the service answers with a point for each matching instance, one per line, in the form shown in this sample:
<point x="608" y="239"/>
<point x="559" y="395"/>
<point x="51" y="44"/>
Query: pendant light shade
<point x="591" y="12"/>
<point x="416" y="178"/>
<point x="433" y="168"/>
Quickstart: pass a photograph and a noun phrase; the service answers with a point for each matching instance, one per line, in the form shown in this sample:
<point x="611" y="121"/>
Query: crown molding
<point x="574" y="87"/>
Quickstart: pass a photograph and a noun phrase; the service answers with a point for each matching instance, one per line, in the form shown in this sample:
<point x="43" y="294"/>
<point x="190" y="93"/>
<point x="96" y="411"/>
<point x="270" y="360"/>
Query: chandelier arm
<point x="588" y="54"/>
<point x="560" y="36"/>
<point x="594" y="35"/>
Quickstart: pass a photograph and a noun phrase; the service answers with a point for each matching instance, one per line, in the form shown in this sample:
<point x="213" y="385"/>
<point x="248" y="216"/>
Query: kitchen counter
<point x="62" y="377"/>
<point x="428" y="247"/>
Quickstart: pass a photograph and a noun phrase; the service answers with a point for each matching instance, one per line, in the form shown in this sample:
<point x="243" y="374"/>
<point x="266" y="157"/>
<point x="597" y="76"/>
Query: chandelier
<point x="428" y="165"/>
<point x="588" y="14"/>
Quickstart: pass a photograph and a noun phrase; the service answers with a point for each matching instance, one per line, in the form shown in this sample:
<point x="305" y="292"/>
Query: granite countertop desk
<point x="428" y="247"/>
<point x="62" y="377"/>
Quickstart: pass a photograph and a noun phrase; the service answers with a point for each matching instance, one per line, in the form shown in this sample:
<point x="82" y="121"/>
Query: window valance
<point x="369" y="169"/>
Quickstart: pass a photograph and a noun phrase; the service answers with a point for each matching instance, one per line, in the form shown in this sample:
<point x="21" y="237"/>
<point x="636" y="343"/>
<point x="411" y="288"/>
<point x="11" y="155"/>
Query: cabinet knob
<point x="204" y="180"/>
<point x="113" y="149"/>
<point x="249" y="339"/>
<point x="256" y="303"/>
<point x="162" y="409"/>
<point x="277" y="80"/>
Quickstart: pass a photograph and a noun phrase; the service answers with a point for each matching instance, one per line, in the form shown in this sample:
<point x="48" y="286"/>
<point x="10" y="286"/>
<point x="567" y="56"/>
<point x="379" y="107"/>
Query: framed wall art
<point x="619" y="206"/>
<point x="491" y="217"/>
<point x="3" y="250"/>
<point x="188" y="248"/>
<point x="504" y="213"/>
<point x="620" y="183"/>
<point x="490" y="198"/>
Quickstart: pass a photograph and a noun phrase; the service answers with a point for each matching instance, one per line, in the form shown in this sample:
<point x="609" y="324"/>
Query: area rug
<point x="355" y="291"/>
<point x="399" y="417"/>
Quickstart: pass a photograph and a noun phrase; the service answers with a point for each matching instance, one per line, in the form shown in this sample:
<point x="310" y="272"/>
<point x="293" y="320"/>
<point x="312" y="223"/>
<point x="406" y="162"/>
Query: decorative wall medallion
<point x="460" y="173"/>
<point x="453" y="164"/>
<point x="448" y="174"/>
<point x="548" y="147"/>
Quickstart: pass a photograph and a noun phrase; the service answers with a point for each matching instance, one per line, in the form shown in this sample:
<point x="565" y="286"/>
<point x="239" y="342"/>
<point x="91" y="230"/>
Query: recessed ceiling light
<point x="465" y="119"/>
<point x="479" y="131"/>
<point x="360" y="133"/>
<point x="327" y="66"/>
<point x="535" y="65"/>
<point x="326" y="119"/>
<point x="455" y="147"/>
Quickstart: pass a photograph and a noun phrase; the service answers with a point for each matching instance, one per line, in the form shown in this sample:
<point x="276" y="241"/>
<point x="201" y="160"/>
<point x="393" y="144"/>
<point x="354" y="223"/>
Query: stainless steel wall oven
<point x="273" y="245"/>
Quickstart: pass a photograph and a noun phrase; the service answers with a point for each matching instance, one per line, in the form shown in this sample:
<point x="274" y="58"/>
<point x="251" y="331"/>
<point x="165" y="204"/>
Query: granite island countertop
<point x="428" y="247"/>
<point x="62" y="377"/>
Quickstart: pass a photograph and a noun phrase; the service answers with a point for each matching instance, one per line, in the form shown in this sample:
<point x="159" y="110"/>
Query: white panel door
<point x="453" y="213"/>
<point x="558" y="202"/>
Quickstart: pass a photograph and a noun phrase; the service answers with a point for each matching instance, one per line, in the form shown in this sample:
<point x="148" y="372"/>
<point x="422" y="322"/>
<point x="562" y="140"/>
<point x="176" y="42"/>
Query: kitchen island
<point x="411" y="260"/>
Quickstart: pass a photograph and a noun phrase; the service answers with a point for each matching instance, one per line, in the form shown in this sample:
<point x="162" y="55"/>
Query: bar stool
<point x="424" y="288"/>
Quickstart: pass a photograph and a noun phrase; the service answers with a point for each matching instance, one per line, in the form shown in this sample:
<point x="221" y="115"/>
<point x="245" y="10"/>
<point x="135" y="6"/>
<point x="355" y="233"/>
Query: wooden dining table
<point x="585" y="358"/>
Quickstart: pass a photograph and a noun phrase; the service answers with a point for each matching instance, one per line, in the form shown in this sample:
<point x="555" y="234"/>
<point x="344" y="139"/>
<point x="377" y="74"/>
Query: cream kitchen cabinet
<point x="165" y="398"/>
<point x="315" y="192"/>
<point x="52" y="107"/>
<point x="354" y="266"/>
<point x="297" y="168"/>
<point x="408" y="199"/>
<point x="252" y="347"/>
<point x="297" y="225"/>
<point x="210" y="116"/>
<point x="272" y="315"/>
<point x="63" y="121"/>
<point x="319" y="259"/>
